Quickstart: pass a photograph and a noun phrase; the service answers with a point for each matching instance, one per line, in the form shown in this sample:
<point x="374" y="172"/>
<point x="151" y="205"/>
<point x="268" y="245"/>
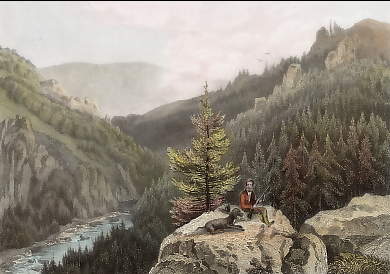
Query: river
<point x="75" y="236"/>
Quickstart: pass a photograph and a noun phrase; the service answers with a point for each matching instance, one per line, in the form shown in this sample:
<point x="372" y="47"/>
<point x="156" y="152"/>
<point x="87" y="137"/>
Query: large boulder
<point x="307" y="255"/>
<point x="258" y="249"/>
<point x="361" y="226"/>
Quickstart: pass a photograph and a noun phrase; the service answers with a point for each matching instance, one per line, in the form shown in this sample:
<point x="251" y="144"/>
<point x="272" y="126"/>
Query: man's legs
<point x="249" y="212"/>
<point x="264" y="215"/>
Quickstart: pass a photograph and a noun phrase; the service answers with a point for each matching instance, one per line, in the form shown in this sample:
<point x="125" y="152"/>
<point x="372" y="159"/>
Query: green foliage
<point x="200" y="175"/>
<point x="358" y="264"/>
<point x="293" y="203"/>
<point x="21" y="227"/>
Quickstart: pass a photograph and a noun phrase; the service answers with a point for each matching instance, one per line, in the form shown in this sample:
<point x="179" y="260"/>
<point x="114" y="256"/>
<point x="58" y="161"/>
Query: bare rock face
<point x="292" y="76"/>
<point x="292" y="81"/>
<point x="307" y="255"/>
<point x="52" y="86"/>
<point x="17" y="145"/>
<point x="260" y="103"/>
<point x="361" y="226"/>
<point x="35" y="169"/>
<point x="53" y="89"/>
<point x="258" y="249"/>
<point x="344" y="53"/>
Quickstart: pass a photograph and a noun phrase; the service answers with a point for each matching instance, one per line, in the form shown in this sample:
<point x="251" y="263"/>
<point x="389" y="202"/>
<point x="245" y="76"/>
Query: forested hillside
<point x="320" y="144"/>
<point x="57" y="163"/>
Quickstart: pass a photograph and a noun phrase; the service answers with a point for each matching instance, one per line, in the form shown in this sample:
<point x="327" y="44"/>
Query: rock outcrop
<point x="361" y="226"/>
<point x="37" y="170"/>
<point x="52" y="89"/>
<point x="258" y="249"/>
<point x="260" y="103"/>
<point x="344" y="53"/>
<point x="292" y="81"/>
<point x="293" y="76"/>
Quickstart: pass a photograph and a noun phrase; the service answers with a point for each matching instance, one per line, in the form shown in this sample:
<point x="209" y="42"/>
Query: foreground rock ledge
<point x="361" y="226"/>
<point x="258" y="248"/>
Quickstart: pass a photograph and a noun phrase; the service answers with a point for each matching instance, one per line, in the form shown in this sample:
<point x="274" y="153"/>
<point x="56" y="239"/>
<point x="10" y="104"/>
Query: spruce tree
<point x="383" y="162"/>
<point x="274" y="164"/>
<point x="292" y="203"/>
<point x="259" y="169"/>
<point x="303" y="155"/>
<point x="283" y="140"/>
<point x="368" y="178"/>
<point x="323" y="184"/>
<point x="329" y="154"/>
<point x="245" y="169"/>
<point x="200" y="176"/>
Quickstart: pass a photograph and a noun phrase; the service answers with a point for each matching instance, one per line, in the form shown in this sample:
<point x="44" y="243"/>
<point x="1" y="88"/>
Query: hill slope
<point x="57" y="163"/>
<point x="170" y="125"/>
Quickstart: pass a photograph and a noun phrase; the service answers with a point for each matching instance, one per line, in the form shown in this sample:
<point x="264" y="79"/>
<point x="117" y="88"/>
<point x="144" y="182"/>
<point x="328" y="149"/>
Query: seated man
<point x="248" y="203"/>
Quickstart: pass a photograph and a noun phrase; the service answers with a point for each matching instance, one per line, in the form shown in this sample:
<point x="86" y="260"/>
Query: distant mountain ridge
<point x="117" y="87"/>
<point x="169" y="125"/>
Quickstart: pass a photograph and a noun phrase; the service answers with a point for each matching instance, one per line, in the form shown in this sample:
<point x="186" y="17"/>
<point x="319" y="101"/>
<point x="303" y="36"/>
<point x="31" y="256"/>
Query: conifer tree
<point x="352" y="155"/>
<point x="353" y="140"/>
<point x="374" y="133"/>
<point x="245" y="169"/>
<point x="383" y="162"/>
<point x="302" y="155"/>
<point x="259" y="169"/>
<point x="292" y="203"/>
<point x="368" y="178"/>
<point x="283" y="140"/>
<point x="341" y="147"/>
<point x="329" y="154"/>
<point x="200" y="175"/>
<point x="274" y="163"/>
<point x="324" y="186"/>
<point x="293" y="133"/>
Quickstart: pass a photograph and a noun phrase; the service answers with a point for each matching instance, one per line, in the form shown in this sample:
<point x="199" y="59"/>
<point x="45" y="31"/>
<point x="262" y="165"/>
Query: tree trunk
<point x="208" y="202"/>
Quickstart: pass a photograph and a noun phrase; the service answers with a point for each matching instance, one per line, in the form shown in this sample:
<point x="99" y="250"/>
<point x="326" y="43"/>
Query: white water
<point x="74" y="237"/>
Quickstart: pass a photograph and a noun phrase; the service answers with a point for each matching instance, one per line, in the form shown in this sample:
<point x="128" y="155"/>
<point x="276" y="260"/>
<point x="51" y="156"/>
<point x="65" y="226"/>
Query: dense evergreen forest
<point x="318" y="146"/>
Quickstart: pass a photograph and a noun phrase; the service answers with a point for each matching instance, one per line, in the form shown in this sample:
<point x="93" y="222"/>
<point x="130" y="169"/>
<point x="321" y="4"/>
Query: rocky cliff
<point x="292" y="81"/>
<point x="258" y="249"/>
<point x="40" y="173"/>
<point x="366" y="39"/>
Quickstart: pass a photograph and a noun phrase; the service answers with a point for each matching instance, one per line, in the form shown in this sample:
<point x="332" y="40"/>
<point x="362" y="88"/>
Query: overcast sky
<point x="209" y="41"/>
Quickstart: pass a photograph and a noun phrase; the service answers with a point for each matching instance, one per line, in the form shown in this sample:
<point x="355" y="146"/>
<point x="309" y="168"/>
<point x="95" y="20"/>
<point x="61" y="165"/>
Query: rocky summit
<point x="258" y="249"/>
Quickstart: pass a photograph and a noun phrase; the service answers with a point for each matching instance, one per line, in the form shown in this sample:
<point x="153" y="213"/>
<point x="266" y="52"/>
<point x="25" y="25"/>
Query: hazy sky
<point x="204" y="41"/>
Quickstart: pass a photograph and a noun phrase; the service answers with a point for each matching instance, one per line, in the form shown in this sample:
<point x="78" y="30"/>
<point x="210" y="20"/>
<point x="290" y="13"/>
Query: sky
<point x="203" y="41"/>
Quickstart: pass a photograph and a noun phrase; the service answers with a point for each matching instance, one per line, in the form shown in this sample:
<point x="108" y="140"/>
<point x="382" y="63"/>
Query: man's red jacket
<point x="244" y="200"/>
